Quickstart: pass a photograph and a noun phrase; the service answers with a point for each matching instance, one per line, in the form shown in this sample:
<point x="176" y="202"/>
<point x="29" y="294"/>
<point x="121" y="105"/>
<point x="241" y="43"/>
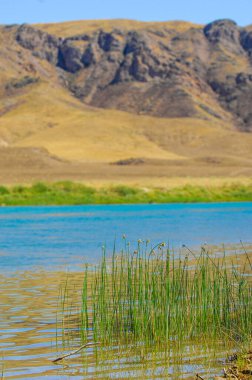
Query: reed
<point x="150" y="298"/>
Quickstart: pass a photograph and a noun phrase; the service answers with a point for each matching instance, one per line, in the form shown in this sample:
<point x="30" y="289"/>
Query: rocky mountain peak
<point x="225" y="32"/>
<point x="157" y="71"/>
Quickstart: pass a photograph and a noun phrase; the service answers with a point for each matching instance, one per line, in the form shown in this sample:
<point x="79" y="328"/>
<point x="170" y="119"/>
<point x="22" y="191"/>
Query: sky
<point x="198" y="11"/>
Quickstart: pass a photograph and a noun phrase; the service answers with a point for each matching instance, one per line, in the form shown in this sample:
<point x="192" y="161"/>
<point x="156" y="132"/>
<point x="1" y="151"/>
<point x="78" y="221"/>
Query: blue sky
<point x="199" y="11"/>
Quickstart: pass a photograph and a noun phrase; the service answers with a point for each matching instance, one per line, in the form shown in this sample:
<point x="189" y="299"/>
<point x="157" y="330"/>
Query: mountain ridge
<point x="106" y="59"/>
<point x="103" y="91"/>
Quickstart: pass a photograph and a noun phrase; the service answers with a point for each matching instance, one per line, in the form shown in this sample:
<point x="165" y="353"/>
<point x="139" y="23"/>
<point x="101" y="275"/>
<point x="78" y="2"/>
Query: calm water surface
<point x="38" y="245"/>
<point x="52" y="237"/>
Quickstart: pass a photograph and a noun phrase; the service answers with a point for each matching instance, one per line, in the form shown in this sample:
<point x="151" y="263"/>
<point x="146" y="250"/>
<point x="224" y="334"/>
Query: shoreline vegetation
<point x="150" y="301"/>
<point x="71" y="193"/>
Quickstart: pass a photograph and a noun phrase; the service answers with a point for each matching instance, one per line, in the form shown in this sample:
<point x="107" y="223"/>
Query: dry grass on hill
<point x="66" y="29"/>
<point x="38" y="112"/>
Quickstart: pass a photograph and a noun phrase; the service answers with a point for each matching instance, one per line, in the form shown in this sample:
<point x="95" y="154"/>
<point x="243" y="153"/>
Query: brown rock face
<point x="246" y="41"/>
<point x="43" y="45"/>
<point x="200" y="72"/>
<point x="226" y="33"/>
<point x="70" y="57"/>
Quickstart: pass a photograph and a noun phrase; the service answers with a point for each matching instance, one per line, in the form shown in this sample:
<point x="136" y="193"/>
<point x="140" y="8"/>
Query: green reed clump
<point x="150" y="297"/>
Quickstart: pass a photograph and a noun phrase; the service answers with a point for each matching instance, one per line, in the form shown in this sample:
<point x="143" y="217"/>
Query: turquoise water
<point x="66" y="236"/>
<point x="36" y="243"/>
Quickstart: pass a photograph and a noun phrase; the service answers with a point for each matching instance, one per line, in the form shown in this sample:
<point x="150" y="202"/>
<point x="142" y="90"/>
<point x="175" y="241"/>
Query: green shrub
<point x="3" y="190"/>
<point x="19" y="189"/>
<point x="39" y="187"/>
<point x="125" y="191"/>
<point x="66" y="186"/>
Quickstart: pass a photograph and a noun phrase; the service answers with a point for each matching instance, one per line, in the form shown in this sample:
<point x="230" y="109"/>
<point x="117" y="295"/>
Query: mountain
<point x="174" y="94"/>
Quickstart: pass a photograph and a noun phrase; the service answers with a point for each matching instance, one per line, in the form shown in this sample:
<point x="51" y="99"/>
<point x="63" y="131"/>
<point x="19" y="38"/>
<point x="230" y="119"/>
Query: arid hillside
<point x="124" y="99"/>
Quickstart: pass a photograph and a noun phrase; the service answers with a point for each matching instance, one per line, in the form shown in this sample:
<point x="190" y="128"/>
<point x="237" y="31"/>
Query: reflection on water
<point x="50" y="238"/>
<point x="27" y="324"/>
<point x="28" y="330"/>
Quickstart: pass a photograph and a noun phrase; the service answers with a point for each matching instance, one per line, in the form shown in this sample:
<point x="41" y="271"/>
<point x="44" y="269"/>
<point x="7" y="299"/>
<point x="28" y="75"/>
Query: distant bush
<point x="39" y="187"/>
<point x="88" y="190"/>
<point x="66" y="186"/>
<point x="3" y="190"/>
<point x="125" y="191"/>
<point x="18" y="189"/>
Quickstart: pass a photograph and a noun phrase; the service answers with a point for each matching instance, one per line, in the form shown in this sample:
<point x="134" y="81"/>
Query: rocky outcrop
<point x="226" y="33"/>
<point x="246" y="41"/>
<point x="159" y="72"/>
<point x="235" y="94"/>
<point x="42" y="45"/>
<point x="70" y="57"/>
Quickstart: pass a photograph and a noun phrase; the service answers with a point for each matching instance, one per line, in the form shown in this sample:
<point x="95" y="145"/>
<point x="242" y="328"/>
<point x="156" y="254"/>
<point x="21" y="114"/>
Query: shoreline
<point x="67" y="193"/>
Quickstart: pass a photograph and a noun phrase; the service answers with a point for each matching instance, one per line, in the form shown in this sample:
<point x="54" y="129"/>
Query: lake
<point x="38" y="245"/>
<point x="50" y="238"/>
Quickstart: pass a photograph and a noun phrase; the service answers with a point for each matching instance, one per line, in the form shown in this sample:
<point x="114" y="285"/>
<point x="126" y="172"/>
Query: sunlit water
<point x="39" y="245"/>
<point x="53" y="237"/>
<point x="31" y="337"/>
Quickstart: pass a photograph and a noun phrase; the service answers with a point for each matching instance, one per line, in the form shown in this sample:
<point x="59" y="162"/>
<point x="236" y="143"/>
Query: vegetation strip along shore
<point x="71" y="193"/>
